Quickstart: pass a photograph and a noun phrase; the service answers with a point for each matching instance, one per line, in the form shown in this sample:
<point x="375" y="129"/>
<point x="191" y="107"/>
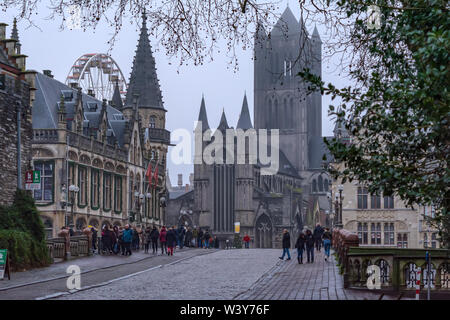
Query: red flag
<point x="156" y="176"/>
<point x="148" y="174"/>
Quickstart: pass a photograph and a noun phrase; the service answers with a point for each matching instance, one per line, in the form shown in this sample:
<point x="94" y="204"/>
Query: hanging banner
<point x="237" y="227"/>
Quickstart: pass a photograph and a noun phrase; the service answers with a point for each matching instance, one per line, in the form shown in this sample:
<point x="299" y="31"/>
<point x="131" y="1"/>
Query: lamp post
<point x="331" y="214"/>
<point x="139" y="202"/>
<point x="73" y="190"/>
<point x="339" y="206"/>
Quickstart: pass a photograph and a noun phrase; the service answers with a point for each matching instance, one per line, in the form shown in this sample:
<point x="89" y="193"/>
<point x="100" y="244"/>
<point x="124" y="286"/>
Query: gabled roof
<point x="285" y="166"/>
<point x="46" y="105"/>
<point x="244" y="121"/>
<point x="143" y="79"/>
<point x="286" y="25"/>
<point x="316" y="35"/>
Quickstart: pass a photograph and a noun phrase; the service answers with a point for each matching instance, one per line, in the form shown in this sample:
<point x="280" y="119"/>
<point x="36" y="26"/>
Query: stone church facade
<point x="264" y="205"/>
<point x="103" y="149"/>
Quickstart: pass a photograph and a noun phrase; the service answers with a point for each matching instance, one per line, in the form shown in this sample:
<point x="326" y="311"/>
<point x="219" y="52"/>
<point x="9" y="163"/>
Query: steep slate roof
<point x="202" y="116"/>
<point x="285" y="166"/>
<point x="244" y="121"/>
<point x="223" y="124"/>
<point x="117" y="99"/>
<point x="287" y="24"/>
<point x="46" y="105"/>
<point x="316" y="35"/>
<point x="143" y="79"/>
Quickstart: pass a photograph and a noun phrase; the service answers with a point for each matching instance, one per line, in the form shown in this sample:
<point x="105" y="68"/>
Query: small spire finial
<point x="14" y="32"/>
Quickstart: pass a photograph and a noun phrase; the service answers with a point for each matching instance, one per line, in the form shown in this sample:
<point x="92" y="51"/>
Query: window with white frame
<point x="389" y="234"/>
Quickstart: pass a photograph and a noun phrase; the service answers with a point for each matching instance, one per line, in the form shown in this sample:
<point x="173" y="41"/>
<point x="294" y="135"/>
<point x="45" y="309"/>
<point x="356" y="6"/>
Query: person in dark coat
<point x="106" y="239"/>
<point x="147" y="239"/>
<point x="154" y="235"/>
<point x="181" y="232"/>
<point x="286" y="244"/>
<point x="326" y="238"/>
<point x="200" y="238"/>
<point x="206" y="236"/>
<point x="188" y="238"/>
<point x="171" y="240"/>
<point x="216" y="243"/>
<point x="163" y="240"/>
<point x="317" y="234"/>
<point x="94" y="238"/>
<point x="310" y="246"/>
<point x="300" y="245"/>
<point x="113" y="240"/>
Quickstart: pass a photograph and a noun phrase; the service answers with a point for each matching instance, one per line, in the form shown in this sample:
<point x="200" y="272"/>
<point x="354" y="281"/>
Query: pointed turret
<point x="287" y="24"/>
<point x="143" y="79"/>
<point x="223" y="125"/>
<point x="62" y="113"/>
<point x="315" y="36"/>
<point x="244" y="121"/>
<point x="117" y="99"/>
<point x="14" y="32"/>
<point x="202" y="116"/>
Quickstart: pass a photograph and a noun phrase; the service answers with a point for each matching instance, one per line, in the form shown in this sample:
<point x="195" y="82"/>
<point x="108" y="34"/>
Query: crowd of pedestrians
<point x="125" y="240"/>
<point x="308" y="241"/>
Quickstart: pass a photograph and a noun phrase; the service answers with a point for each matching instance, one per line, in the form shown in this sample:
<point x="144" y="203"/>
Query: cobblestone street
<point x="320" y="280"/>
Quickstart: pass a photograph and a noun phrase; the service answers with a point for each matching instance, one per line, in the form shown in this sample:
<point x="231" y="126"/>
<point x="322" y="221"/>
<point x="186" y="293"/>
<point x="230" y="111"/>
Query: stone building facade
<point x="381" y="221"/>
<point x="16" y="94"/>
<point x="101" y="162"/>
<point x="263" y="204"/>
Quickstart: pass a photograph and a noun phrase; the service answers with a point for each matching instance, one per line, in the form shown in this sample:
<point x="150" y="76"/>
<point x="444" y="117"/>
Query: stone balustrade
<point x="45" y="135"/>
<point x="79" y="246"/>
<point x="398" y="268"/>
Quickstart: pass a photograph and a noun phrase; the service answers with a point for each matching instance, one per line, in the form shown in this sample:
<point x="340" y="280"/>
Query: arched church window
<point x="152" y="123"/>
<point x="275" y="114"/>
<point x="291" y="113"/>
<point x="314" y="186"/>
<point x="320" y="184"/>
<point x="325" y="185"/>
<point x="268" y="126"/>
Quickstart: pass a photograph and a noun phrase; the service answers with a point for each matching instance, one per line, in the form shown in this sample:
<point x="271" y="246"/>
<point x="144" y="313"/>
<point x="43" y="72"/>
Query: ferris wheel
<point x="97" y="74"/>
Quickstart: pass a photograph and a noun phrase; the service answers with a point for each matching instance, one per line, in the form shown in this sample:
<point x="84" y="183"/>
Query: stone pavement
<point x="216" y="276"/>
<point x="320" y="280"/>
<point x="86" y="264"/>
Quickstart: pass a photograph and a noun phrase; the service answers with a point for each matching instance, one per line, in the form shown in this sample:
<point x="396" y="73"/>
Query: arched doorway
<point x="185" y="221"/>
<point x="94" y="223"/>
<point x="263" y="232"/>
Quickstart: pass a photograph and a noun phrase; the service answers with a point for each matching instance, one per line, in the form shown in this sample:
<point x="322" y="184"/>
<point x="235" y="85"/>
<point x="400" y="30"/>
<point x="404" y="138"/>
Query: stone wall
<point x="14" y="93"/>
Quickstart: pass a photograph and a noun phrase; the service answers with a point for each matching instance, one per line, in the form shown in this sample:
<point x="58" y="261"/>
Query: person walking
<point x="246" y="241"/>
<point x="113" y="235"/>
<point x="154" y="235"/>
<point x="310" y="246"/>
<point x="195" y="237"/>
<point x="106" y="239"/>
<point x="300" y="246"/>
<point x="326" y="237"/>
<point x="127" y="238"/>
<point x="163" y="239"/>
<point x="181" y="232"/>
<point x="317" y="234"/>
<point x="206" y="236"/>
<point x="200" y="238"/>
<point x="188" y="238"/>
<point x="171" y="240"/>
<point x="147" y="239"/>
<point x="286" y="244"/>
<point x="135" y="239"/>
<point x="94" y="239"/>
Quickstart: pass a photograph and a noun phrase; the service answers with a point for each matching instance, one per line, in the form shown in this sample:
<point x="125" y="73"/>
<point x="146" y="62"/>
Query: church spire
<point x="244" y="121"/>
<point x="143" y="79"/>
<point x="316" y="35"/>
<point x="223" y="125"/>
<point x="202" y="115"/>
<point x="117" y="99"/>
<point x="14" y="32"/>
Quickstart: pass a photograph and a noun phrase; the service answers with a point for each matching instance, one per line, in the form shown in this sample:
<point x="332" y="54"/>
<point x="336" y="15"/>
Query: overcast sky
<point x="182" y="88"/>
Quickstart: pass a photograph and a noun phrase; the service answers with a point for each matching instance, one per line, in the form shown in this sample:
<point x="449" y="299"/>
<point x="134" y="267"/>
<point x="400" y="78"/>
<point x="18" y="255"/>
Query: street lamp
<point x="339" y="206"/>
<point x="139" y="202"/>
<point x="73" y="190"/>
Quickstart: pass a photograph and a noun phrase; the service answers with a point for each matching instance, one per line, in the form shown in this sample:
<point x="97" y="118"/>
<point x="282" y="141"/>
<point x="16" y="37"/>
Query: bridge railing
<point x="398" y="268"/>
